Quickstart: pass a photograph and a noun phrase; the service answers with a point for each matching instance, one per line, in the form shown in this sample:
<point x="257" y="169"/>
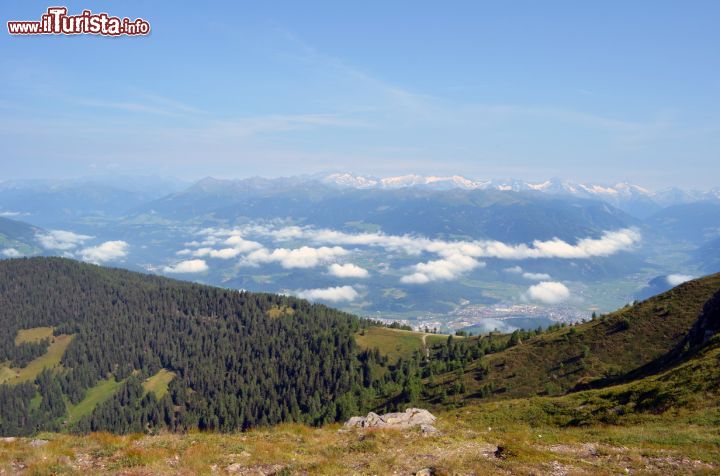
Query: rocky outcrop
<point x="409" y="418"/>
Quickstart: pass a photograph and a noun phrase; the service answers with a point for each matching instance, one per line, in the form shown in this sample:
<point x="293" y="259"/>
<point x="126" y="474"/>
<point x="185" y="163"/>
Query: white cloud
<point x="537" y="276"/>
<point x="231" y="241"/>
<point x="678" y="279"/>
<point x="348" y="270"/>
<point x="11" y="253"/>
<point x="446" y="269"/>
<point x="61" y="240"/>
<point x="456" y="257"/>
<point x="224" y="253"/>
<point x="9" y="214"/>
<point x="304" y="257"/>
<point x="610" y="242"/>
<point x="242" y="245"/>
<point x="188" y="267"/>
<point x="108" y="251"/>
<point x="334" y="294"/>
<point x="548" y="292"/>
<point x="514" y="270"/>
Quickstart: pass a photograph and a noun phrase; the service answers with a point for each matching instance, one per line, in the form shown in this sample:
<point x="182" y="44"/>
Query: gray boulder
<point x="407" y="419"/>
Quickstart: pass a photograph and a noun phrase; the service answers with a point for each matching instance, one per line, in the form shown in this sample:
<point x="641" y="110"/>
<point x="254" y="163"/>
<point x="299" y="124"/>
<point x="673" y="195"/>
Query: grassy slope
<point x="158" y="383"/>
<point x="34" y="334"/>
<point x="395" y="343"/>
<point x="687" y="392"/>
<point x="103" y="390"/>
<point x="50" y="359"/>
<point x="559" y="361"/>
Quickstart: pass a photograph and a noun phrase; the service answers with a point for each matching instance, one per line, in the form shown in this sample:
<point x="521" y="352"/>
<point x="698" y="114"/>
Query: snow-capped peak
<point x="613" y="194"/>
<point x="350" y="180"/>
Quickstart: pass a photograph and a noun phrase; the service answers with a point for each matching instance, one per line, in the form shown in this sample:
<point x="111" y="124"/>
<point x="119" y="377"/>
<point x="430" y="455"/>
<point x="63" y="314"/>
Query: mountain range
<point x="634" y="199"/>
<point x="294" y="235"/>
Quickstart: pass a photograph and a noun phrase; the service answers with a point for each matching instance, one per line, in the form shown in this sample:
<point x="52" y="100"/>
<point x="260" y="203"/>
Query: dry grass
<point x="280" y="311"/>
<point x="467" y="445"/>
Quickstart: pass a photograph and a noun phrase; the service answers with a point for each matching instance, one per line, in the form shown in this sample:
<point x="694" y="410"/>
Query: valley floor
<point x="466" y="445"/>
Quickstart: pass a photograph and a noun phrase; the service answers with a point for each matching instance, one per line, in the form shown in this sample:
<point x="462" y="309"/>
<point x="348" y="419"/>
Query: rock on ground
<point x="409" y="418"/>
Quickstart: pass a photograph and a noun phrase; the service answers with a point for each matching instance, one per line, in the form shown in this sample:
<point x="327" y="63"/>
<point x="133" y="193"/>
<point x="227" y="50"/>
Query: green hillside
<point x="596" y="353"/>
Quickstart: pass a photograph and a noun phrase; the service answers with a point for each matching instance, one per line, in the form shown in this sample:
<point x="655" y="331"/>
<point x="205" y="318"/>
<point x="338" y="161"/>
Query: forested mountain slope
<point x="240" y="359"/>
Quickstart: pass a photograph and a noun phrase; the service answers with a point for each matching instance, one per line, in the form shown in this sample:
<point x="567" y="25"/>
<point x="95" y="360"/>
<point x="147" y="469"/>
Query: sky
<point x="603" y="92"/>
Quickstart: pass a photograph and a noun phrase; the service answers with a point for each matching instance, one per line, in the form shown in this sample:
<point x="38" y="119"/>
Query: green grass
<point x="103" y="390"/>
<point x="434" y="339"/>
<point x="33" y="335"/>
<point x="394" y="343"/>
<point x="51" y="359"/>
<point x="158" y="383"/>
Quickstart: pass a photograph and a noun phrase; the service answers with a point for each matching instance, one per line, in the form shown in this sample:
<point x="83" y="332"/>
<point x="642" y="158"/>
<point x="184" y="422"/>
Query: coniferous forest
<point x="240" y="359"/>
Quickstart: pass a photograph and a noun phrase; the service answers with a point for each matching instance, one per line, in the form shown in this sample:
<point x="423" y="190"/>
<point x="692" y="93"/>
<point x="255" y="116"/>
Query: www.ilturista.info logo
<point x="57" y="22"/>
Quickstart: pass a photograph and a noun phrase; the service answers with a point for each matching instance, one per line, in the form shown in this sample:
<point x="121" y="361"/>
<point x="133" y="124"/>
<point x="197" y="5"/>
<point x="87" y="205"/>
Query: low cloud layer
<point x="608" y="244"/>
<point x="678" y="279"/>
<point x="334" y="294"/>
<point x="455" y="258"/>
<point x="304" y="257"/>
<point x="348" y="270"/>
<point x="104" y="252"/>
<point x="188" y="267"/>
<point x="548" y="292"/>
<point x="61" y="240"/>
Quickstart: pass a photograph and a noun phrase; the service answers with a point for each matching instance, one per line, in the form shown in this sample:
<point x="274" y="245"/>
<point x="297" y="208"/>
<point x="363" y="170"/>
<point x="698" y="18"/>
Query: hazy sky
<point x="603" y="92"/>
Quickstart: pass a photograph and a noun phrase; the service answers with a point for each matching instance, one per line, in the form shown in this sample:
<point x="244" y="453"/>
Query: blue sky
<point x="606" y="92"/>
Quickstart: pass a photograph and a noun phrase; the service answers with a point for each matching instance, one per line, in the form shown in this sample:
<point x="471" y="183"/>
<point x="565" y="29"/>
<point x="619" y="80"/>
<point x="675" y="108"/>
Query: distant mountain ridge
<point x="634" y="199"/>
<point x="511" y="217"/>
<point x="553" y="185"/>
